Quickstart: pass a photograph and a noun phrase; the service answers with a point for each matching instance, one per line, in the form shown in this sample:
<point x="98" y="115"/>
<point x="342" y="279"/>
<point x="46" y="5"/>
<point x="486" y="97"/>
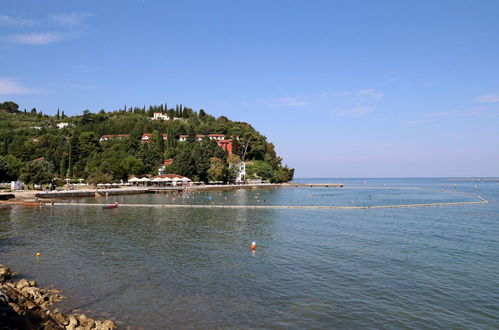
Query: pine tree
<point x="57" y="115"/>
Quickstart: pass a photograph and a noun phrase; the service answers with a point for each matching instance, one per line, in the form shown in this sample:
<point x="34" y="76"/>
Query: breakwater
<point x="25" y="306"/>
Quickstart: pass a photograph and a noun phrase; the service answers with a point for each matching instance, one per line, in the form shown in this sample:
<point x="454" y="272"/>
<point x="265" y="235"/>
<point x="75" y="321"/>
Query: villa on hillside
<point x="163" y="116"/>
<point x="62" y="125"/>
<point x="114" y="137"/>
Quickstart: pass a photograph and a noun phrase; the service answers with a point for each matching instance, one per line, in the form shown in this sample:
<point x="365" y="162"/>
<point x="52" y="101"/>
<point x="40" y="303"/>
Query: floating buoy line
<point x="481" y="200"/>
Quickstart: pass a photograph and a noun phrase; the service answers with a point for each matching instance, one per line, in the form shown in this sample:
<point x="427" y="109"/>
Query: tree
<point x="5" y="174"/>
<point x="99" y="177"/>
<point x="132" y="165"/>
<point x="74" y="154"/>
<point x="217" y="170"/>
<point x="38" y="171"/>
<point x="9" y="107"/>
<point x="89" y="144"/>
<point x="9" y="168"/>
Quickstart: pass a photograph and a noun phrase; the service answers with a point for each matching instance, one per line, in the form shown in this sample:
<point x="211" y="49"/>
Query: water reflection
<point x="160" y="267"/>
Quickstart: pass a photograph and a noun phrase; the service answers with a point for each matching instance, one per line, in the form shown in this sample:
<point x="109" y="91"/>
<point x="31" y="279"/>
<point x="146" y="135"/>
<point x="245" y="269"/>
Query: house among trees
<point x="162" y="169"/>
<point x="216" y="137"/>
<point x="225" y="144"/>
<point x="62" y="125"/>
<point x="114" y="136"/>
<point x="146" y="138"/>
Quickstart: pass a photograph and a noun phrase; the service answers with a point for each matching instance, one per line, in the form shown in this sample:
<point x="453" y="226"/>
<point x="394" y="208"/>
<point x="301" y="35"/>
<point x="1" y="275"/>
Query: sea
<point x="157" y="268"/>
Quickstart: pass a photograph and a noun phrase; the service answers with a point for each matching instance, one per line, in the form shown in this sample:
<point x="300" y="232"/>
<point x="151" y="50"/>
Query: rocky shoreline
<point x="25" y="306"/>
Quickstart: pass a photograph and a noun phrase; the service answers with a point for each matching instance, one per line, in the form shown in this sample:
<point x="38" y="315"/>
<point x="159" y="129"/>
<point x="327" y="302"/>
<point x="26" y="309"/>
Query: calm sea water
<point x="370" y="268"/>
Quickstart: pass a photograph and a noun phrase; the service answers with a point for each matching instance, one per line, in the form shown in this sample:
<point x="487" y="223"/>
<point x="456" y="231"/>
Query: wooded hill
<point x="36" y="147"/>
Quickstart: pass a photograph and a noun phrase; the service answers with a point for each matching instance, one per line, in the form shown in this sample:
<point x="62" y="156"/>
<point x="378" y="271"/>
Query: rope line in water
<point x="323" y="207"/>
<point x="317" y="207"/>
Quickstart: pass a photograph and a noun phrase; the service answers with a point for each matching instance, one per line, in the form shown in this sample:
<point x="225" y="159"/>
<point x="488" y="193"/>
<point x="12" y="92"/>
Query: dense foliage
<point x="31" y="141"/>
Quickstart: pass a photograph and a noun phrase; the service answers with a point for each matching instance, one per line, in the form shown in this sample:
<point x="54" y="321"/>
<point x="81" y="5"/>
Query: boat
<point x="113" y="206"/>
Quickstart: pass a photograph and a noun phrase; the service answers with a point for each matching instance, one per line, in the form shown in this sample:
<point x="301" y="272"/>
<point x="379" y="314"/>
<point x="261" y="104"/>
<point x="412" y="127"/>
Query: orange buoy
<point x="253" y="246"/>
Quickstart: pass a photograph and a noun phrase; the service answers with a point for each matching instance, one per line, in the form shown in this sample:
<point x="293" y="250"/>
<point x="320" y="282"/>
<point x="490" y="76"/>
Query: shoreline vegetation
<point x="112" y="147"/>
<point x="23" y="305"/>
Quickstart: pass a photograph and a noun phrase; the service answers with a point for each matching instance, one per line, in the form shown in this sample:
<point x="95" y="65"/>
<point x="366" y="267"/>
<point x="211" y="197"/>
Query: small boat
<point x="113" y="206"/>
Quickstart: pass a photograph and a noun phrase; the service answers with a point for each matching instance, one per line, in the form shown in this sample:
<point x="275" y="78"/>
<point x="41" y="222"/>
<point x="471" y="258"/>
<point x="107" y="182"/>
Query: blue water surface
<point x="424" y="267"/>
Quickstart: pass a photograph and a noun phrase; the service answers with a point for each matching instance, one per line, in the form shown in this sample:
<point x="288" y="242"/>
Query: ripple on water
<point x="378" y="268"/>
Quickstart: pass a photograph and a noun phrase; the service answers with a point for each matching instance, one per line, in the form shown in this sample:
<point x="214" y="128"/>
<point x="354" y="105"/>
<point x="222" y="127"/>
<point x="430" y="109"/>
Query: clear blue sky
<point x="342" y="88"/>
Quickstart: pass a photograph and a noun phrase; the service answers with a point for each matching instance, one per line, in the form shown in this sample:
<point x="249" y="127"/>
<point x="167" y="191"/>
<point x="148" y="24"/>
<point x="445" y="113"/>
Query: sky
<point x="342" y="88"/>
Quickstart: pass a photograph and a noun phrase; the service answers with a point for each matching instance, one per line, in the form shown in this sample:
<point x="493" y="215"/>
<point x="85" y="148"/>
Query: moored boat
<point x="113" y="206"/>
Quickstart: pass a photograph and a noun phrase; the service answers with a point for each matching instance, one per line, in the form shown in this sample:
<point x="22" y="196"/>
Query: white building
<point x="62" y="125"/>
<point x="216" y="137"/>
<point x="160" y="116"/>
<point x="240" y="171"/>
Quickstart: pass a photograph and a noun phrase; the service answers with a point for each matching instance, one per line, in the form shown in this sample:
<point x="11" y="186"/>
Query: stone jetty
<point x="25" y="306"/>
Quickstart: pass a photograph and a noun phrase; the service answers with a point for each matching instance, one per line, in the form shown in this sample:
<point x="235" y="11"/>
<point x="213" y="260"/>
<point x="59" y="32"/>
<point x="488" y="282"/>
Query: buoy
<point x="38" y="254"/>
<point x="253" y="246"/>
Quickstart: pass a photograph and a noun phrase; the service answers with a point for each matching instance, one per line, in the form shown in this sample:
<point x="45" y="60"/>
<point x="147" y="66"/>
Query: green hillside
<point x="35" y="147"/>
